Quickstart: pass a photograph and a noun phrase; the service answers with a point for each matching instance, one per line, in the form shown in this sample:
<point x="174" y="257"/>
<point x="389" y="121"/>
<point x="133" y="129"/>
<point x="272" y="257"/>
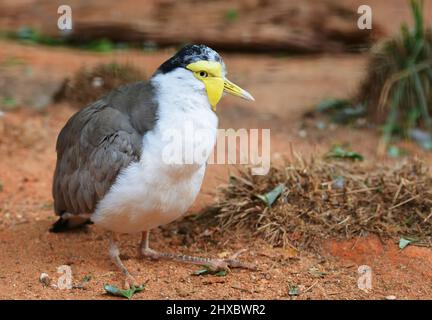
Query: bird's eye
<point x="203" y="74"/>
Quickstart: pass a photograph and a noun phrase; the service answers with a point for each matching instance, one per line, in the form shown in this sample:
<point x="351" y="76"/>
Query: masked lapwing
<point x="114" y="164"/>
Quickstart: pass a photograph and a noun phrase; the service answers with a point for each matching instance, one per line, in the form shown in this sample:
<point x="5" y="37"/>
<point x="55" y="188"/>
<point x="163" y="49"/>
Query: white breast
<point x="155" y="191"/>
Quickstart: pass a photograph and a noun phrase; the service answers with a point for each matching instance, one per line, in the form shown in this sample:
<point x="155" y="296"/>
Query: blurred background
<point x="316" y="76"/>
<point x="319" y="81"/>
<point x="293" y="56"/>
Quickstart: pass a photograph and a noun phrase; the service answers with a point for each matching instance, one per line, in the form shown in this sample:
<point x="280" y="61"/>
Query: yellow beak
<point x="235" y="90"/>
<point x="215" y="83"/>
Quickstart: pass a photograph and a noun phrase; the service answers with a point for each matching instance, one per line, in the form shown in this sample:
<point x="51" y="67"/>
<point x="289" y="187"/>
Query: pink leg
<point x="115" y="257"/>
<point x="212" y="264"/>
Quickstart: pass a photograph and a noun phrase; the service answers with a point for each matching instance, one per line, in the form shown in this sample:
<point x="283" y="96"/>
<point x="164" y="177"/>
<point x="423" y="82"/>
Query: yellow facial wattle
<point x="210" y="73"/>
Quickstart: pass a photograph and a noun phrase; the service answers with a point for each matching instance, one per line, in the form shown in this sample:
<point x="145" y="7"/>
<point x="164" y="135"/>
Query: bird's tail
<point x="69" y="221"/>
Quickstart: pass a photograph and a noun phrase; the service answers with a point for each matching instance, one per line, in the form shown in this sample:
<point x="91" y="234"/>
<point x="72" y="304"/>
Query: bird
<point x="112" y="167"/>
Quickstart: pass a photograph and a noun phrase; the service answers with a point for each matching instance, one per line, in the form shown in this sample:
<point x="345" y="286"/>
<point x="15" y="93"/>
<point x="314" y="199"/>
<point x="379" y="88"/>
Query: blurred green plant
<point x="339" y="152"/>
<point x="394" y="151"/>
<point x="231" y="15"/>
<point x="397" y="91"/>
<point x="12" y="62"/>
<point x="8" y="103"/>
<point x="100" y="45"/>
<point x="270" y="197"/>
<point x="341" y="111"/>
<point x="31" y="35"/>
<point x="398" y="88"/>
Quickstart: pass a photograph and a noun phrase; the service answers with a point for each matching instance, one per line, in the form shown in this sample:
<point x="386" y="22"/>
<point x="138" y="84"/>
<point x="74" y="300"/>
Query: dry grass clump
<point x="397" y="90"/>
<point x="329" y="199"/>
<point x="89" y="84"/>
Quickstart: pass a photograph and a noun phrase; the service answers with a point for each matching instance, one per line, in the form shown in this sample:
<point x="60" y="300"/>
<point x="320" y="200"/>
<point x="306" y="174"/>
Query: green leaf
<point x="206" y="270"/>
<point x="293" y="290"/>
<point x="201" y="272"/>
<point x="405" y="241"/>
<point x="221" y="273"/>
<point x="341" y="153"/>
<point x="395" y="152"/>
<point x="113" y="290"/>
<point x="270" y="197"/>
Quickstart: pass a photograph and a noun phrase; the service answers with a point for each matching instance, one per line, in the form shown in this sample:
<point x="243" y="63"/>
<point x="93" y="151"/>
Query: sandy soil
<point x="283" y="88"/>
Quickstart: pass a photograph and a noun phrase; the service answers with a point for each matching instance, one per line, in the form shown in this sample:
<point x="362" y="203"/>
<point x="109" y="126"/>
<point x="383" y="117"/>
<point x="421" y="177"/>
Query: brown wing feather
<point x="95" y="145"/>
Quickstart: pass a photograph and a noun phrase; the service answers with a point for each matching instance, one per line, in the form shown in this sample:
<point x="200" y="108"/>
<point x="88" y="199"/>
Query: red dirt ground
<point x="27" y="249"/>
<point x="284" y="88"/>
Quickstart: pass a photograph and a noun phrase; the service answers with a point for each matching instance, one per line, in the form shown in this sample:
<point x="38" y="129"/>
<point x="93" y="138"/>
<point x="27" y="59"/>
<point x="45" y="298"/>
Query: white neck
<point x="184" y="114"/>
<point x="180" y="89"/>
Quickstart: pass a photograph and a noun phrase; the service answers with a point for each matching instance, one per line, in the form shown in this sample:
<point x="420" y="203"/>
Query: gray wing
<point x="94" y="146"/>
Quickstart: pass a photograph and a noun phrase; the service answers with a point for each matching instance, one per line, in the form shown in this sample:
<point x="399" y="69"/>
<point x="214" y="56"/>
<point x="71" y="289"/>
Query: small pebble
<point x="391" y="297"/>
<point x="97" y="82"/>
<point x="302" y="133"/>
<point x="183" y="293"/>
<point x="44" y="279"/>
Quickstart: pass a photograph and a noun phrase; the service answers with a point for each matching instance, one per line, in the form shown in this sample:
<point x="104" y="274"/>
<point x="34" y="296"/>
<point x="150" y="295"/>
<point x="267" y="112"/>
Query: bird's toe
<point x="218" y="265"/>
<point x="150" y="253"/>
<point x="130" y="282"/>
